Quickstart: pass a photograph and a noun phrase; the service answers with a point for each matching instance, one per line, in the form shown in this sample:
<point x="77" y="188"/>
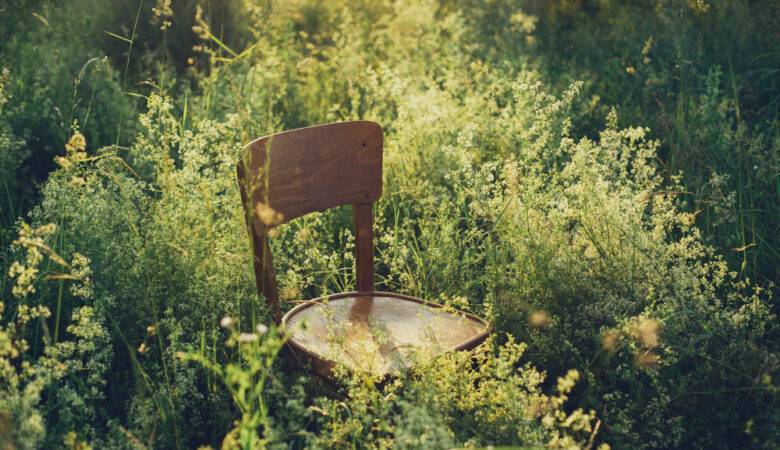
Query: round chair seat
<point x="377" y="332"/>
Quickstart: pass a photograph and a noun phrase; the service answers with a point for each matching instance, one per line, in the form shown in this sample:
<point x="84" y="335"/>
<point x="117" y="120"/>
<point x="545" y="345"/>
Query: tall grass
<point x="638" y="292"/>
<point x="703" y="84"/>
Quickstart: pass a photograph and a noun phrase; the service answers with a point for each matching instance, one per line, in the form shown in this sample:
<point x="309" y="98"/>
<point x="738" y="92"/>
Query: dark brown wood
<point x="292" y="173"/>
<point x="312" y="169"/>
<point x="265" y="275"/>
<point x="364" y="246"/>
<point x="289" y="174"/>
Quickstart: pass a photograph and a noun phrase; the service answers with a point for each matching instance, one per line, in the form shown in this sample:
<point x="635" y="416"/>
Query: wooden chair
<point x="290" y="174"/>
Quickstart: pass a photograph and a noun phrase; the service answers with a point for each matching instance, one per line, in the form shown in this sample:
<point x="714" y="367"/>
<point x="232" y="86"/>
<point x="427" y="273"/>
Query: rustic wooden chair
<point x="293" y="173"/>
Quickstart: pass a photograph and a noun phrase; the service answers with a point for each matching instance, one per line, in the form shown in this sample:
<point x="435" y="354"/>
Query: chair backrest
<point x="293" y="173"/>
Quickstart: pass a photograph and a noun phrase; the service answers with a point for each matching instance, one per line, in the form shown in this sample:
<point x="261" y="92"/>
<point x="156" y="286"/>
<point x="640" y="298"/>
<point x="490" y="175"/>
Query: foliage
<point x="707" y="89"/>
<point x="57" y="76"/>
<point x="10" y="158"/>
<point x="503" y="194"/>
<point x="246" y="381"/>
<point x="476" y="399"/>
<point x="35" y="366"/>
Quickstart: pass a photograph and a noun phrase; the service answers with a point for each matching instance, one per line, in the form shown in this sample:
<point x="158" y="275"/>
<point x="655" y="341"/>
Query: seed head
<point x="610" y="341"/>
<point x="226" y="322"/>
<point x="244" y="338"/>
<point x="539" y="319"/>
<point x="648" y="360"/>
<point x="648" y="332"/>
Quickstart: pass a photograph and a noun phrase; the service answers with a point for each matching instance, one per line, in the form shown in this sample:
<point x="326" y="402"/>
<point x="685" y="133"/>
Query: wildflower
<point x="267" y="215"/>
<point x="646" y="50"/>
<point x="648" y="360"/>
<point x="151" y="330"/>
<point x="77" y="182"/>
<point x="578" y="420"/>
<point x="458" y="301"/>
<point x="610" y="341"/>
<point x="648" y="332"/>
<point x="81" y="272"/>
<point x="76" y="144"/>
<point x="261" y="329"/>
<point x="63" y="162"/>
<point x="303" y="234"/>
<point x="142" y="348"/>
<point x="32" y="241"/>
<point x="244" y="338"/>
<point x="700" y="6"/>
<point x="525" y="22"/>
<point x="24" y="279"/>
<point x="72" y="442"/>
<point x="202" y="27"/>
<point x="289" y="293"/>
<point x="76" y="151"/>
<point x="226" y="322"/>
<point x="630" y="70"/>
<point x="535" y="408"/>
<point x="567" y="382"/>
<point x="539" y="319"/>
<point x="163" y="8"/>
<point x="163" y="12"/>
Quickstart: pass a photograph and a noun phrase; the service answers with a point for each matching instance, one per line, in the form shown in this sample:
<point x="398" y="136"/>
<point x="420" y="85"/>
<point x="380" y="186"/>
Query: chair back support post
<point x="265" y="276"/>
<point x="262" y="261"/>
<point x="364" y="246"/>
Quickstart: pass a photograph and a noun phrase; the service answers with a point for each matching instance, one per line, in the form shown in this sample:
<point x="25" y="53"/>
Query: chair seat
<point x="377" y="332"/>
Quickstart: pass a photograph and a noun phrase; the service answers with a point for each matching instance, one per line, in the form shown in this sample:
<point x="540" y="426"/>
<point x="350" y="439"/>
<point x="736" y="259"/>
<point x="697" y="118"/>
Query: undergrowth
<point x="130" y="317"/>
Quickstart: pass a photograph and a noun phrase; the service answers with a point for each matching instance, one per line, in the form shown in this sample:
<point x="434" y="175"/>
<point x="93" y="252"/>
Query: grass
<point x="619" y="232"/>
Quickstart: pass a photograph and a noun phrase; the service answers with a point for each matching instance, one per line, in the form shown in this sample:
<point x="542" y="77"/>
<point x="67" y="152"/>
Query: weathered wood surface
<point x="312" y="169"/>
<point x="377" y="333"/>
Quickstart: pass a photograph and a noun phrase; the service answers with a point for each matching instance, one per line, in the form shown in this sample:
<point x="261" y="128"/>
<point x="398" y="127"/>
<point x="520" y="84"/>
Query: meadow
<point x="600" y="179"/>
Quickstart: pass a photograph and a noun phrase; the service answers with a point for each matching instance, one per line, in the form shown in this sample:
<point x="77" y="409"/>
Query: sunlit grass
<point x="626" y="270"/>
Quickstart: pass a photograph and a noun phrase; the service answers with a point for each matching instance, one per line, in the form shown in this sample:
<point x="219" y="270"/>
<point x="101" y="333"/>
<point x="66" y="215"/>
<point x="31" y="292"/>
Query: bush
<point x="585" y="249"/>
<point x="690" y="72"/>
<point x="40" y="368"/>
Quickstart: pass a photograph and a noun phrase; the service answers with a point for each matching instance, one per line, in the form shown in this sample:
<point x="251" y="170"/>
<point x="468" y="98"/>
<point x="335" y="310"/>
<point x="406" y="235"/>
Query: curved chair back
<point x="293" y="173"/>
